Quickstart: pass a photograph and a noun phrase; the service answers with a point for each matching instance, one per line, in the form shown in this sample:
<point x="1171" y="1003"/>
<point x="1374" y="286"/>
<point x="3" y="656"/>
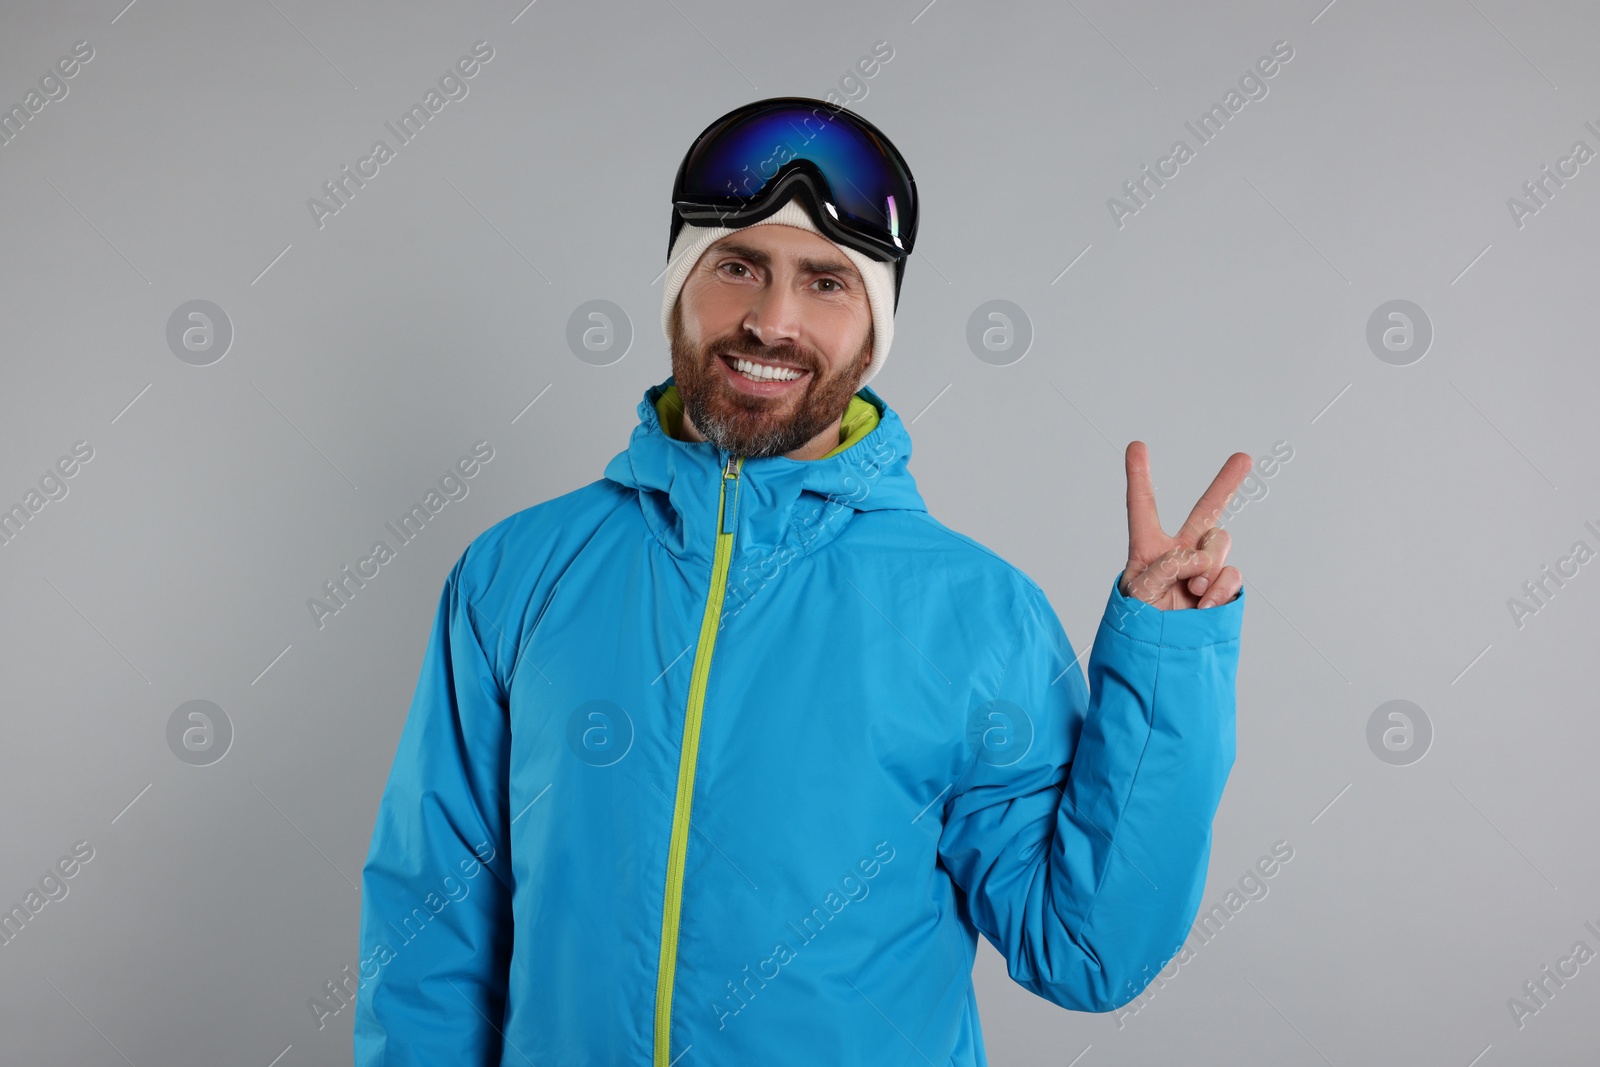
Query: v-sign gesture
<point x="1184" y="570"/>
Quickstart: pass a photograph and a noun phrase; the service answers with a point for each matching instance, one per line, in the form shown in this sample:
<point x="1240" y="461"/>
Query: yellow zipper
<point x="727" y="511"/>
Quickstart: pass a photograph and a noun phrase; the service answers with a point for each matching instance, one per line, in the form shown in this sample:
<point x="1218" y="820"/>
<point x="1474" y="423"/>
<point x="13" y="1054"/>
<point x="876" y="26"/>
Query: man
<point x="729" y="756"/>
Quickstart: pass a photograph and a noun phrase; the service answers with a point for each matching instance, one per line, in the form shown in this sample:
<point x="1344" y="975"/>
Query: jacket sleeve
<point x="1080" y="834"/>
<point x="435" y="890"/>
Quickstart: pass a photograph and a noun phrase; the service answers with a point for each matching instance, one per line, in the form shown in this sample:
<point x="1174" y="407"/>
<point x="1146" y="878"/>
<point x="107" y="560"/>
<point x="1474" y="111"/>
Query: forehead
<point x="777" y="235"/>
<point x="777" y="242"/>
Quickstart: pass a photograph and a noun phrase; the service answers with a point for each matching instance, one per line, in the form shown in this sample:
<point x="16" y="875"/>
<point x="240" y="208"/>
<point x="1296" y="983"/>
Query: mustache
<point x="792" y="355"/>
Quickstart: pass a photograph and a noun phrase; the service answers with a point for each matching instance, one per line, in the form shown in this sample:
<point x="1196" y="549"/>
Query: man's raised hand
<point x="1185" y="570"/>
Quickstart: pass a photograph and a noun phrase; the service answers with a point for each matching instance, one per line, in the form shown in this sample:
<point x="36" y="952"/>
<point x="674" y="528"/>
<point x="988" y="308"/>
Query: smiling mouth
<point x="768" y="377"/>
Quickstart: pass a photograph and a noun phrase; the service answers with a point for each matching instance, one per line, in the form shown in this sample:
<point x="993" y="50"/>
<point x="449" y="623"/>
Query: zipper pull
<point x="730" y="501"/>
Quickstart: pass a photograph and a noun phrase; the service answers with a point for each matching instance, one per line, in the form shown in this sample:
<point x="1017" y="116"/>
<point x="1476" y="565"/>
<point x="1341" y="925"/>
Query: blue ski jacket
<point x="729" y="761"/>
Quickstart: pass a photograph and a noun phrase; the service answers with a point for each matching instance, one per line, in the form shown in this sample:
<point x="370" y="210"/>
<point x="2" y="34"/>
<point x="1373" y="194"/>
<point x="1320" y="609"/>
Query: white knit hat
<point x="692" y="241"/>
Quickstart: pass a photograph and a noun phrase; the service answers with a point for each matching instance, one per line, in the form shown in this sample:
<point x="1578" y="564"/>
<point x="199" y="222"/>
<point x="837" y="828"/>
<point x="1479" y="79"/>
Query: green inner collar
<point x="860" y="417"/>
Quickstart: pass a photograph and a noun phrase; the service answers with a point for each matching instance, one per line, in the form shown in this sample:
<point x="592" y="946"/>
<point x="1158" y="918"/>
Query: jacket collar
<point x="784" y="504"/>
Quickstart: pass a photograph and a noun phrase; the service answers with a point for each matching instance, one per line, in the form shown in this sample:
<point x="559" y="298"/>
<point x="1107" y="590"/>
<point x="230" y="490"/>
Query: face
<point x="770" y="337"/>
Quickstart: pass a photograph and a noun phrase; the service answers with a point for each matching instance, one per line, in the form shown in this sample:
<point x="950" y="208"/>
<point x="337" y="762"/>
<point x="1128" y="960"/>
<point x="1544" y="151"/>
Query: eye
<point x="734" y="263"/>
<point x="838" y="288"/>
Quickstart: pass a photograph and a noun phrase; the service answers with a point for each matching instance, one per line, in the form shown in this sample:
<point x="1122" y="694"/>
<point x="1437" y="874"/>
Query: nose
<point x="774" y="316"/>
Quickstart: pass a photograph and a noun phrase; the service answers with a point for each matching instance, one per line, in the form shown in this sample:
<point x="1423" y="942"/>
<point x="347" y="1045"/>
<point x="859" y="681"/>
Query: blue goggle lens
<point x="743" y="154"/>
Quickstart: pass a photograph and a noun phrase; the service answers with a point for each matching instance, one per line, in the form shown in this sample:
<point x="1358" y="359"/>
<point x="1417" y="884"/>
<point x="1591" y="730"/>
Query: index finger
<point x="1144" y="525"/>
<point x="1209" y="507"/>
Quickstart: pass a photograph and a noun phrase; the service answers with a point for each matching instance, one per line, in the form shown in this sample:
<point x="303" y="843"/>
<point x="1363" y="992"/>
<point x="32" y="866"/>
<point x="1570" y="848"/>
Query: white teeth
<point x="761" y="372"/>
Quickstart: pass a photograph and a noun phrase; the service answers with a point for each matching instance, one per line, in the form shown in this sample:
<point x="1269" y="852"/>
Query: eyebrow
<point x="813" y="266"/>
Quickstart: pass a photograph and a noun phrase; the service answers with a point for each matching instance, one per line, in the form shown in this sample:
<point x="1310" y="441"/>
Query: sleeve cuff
<point x="1178" y="628"/>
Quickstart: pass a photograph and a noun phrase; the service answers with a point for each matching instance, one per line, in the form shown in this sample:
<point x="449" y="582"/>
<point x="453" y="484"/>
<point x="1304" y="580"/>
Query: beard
<point x="754" y="426"/>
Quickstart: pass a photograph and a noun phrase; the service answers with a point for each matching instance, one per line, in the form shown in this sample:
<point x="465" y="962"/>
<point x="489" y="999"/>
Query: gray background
<point x="1229" y="313"/>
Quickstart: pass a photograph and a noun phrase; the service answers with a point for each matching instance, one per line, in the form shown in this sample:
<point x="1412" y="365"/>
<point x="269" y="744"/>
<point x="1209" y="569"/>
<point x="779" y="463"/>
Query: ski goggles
<point x="747" y="164"/>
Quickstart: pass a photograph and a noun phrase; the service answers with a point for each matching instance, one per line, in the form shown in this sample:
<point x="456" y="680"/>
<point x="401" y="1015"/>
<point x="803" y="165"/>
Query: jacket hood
<point x="782" y="503"/>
